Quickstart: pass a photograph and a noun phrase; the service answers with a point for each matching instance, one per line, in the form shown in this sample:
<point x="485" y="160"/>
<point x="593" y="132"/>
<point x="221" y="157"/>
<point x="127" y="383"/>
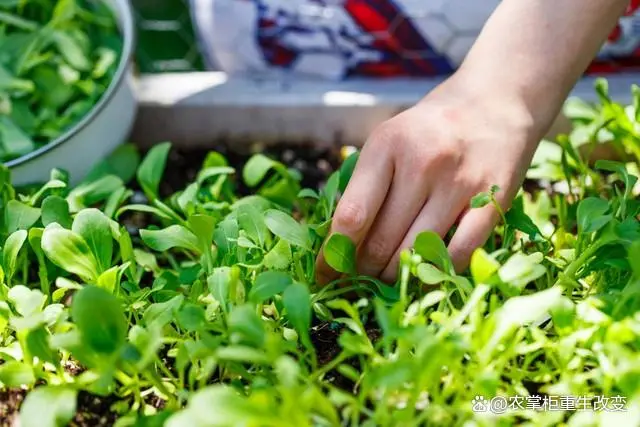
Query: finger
<point x="473" y="231"/>
<point x="360" y="202"/>
<point x="405" y="200"/>
<point x="438" y="215"/>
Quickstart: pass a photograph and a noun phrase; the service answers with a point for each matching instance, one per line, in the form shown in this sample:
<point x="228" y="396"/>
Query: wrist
<point x="531" y="103"/>
<point x="500" y="105"/>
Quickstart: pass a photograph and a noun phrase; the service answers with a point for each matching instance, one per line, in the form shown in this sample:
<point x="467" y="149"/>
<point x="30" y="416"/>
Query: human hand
<point x="419" y="170"/>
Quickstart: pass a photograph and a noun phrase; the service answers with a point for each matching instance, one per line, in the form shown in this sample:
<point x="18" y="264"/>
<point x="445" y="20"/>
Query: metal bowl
<point x="105" y="127"/>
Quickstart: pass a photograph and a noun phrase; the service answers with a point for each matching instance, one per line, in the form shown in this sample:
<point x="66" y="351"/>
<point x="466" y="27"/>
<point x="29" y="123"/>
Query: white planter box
<point x="197" y="109"/>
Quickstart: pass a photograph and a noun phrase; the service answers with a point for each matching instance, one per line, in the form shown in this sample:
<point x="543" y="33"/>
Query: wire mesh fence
<point x="166" y="40"/>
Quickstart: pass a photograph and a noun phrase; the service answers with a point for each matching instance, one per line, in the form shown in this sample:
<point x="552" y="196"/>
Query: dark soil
<point x="315" y="164"/>
<point x="10" y="401"/>
<point x="94" y="411"/>
<point x="325" y="340"/>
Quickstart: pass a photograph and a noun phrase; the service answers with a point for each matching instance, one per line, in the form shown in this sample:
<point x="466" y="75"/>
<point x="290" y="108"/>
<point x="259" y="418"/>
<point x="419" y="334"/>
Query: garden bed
<point x="177" y="288"/>
<point x="315" y="165"/>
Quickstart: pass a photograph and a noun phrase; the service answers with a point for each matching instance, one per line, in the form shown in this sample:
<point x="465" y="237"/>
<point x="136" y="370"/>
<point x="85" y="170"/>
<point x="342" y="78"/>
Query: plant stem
<point x="152" y="377"/>
<point x="328" y="367"/>
<point x="569" y="273"/>
<point x="405" y="270"/>
<point x="165" y="370"/>
<point x="337" y="292"/>
<point x="499" y="209"/>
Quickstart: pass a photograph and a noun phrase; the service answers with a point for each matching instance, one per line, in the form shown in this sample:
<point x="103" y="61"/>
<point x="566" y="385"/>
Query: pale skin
<point x="419" y="170"/>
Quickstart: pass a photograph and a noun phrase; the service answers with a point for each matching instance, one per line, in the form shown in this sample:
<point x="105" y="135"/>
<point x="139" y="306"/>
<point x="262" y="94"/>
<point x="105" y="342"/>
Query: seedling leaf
<point x="19" y="216"/>
<point x="174" y="236"/>
<point x="152" y="168"/>
<point x="592" y="215"/>
<point x="253" y="224"/>
<point x="482" y="266"/>
<point x="16" y="374"/>
<point x="340" y="253"/>
<point x="256" y="169"/>
<point x="287" y="228"/>
<point x="48" y="406"/>
<point x="69" y="251"/>
<point x="95" y="228"/>
<point x="10" y="252"/>
<point x="346" y="170"/>
<point x="100" y="319"/>
<point x="480" y="200"/>
<point x="431" y="248"/>
<point x="269" y="284"/>
<point x="297" y="302"/>
<point x="430" y="275"/>
<point x="56" y="209"/>
<point x="246" y="327"/>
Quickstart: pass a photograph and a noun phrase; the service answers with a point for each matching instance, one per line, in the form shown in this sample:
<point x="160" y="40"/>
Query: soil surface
<point x="315" y="164"/>
<point x="92" y="411"/>
<point x="324" y="338"/>
<point x="10" y="401"/>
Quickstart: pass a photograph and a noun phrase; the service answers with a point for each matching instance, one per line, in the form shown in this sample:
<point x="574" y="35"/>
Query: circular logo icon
<point x="499" y="405"/>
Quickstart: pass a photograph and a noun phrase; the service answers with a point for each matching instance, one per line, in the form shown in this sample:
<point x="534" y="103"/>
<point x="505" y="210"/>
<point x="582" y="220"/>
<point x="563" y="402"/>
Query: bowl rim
<point x="124" y="17"/>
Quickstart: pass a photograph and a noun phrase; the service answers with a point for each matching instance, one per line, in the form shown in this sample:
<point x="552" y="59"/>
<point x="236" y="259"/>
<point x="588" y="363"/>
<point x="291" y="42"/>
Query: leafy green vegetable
<point x="211" y="310"/>
<point x="100" y="320"/>
<point x="58" y="58"/>
<point x="70" y="251"/>
<point x="340" y="253"/>
<point x="285" y="227"/>
<point x="16" y="374"/>
<point x="50" y="406"/>
<point x="152" y="168"/>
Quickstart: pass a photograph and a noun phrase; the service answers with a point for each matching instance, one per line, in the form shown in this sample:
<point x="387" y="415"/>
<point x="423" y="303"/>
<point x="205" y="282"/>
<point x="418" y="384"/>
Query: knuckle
<point x="385" y="134"/>
<point x="350" y="216"/>
<point x="467" y="181"/>
<point x="422" y="164"/>
<point x="445" y="156"/>
<point x="450" y="154"/>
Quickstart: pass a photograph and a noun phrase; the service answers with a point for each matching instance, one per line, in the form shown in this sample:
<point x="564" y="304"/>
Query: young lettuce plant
<point x="210" y="315"/>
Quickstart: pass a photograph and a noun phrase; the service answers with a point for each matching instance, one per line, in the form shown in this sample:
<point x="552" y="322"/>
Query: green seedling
<point x="58" y="58"/>
<point x="212" y="308"/>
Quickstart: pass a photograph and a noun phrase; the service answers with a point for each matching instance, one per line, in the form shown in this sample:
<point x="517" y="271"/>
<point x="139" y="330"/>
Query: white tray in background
<point x="197" y="109"/>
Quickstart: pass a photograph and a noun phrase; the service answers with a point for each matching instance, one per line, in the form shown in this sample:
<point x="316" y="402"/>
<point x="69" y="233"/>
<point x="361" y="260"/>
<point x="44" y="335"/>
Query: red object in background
<point x="396" y="36"/>
<point x="617" y="31"/>
<point x="633" y="6"/>
<point x="631" y="63"/>
<point x="615" y="34"/>
<point x="374" y="38"/>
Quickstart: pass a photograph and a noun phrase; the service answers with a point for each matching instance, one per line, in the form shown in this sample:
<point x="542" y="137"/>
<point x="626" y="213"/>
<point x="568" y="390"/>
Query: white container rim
<point x="124" y="17"/>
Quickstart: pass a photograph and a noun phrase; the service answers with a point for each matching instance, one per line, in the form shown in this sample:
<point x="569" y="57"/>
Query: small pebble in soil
<point x="138" y="198"/>
<point x="324" y="166"/>
<point x="132" y="230"/>
<point x="300" y="165"/>
<point x="10" y="401"/>
<point x="94" y="411"/>
<point x="288" y="156"/>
